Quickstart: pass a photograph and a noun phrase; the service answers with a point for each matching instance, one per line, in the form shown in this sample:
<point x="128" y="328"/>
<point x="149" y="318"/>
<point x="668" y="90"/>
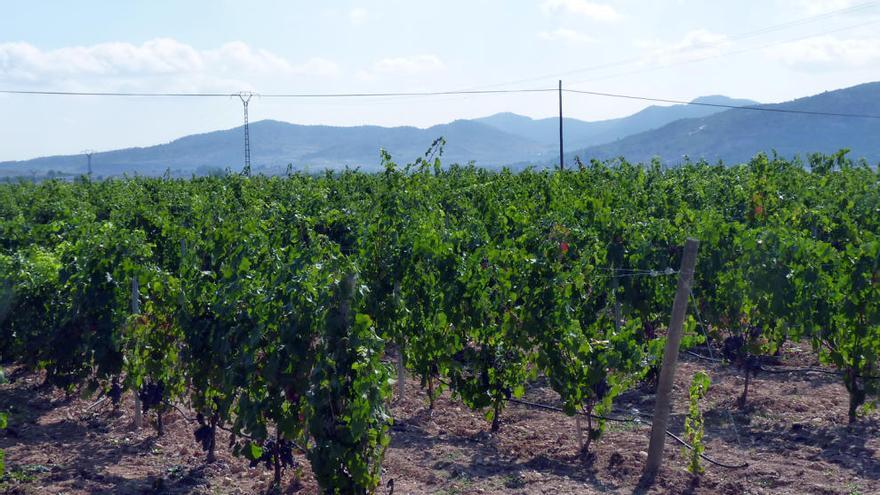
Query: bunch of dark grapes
<point x="151" y="394"/>
<point x="115" y="392"/>
<point x="601" y="389"/>
<point x="285" y="454"/>
<point x="736" y="350"/>
<point x="204" y="433"/>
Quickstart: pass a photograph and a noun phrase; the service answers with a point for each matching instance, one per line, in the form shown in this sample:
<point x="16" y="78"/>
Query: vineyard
<point x="286" y="314"/>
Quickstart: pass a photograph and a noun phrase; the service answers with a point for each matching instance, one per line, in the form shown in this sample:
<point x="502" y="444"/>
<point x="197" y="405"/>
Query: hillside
<point x="507" y="139"/>
<point x="737" y="135"/>
<point x="580" y="134"/>
<point x="499" y="140"/>
<point x="276" y="144"/>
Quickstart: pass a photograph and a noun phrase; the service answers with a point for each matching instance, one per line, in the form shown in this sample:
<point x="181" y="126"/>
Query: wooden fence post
<point x="181" y="300"/>
<point x="136" y="309"/>
<point x="401" y="365"/>
<point x="580" y="433"/>
<point x="615" y="285"/>
<point x="670" y="358"/>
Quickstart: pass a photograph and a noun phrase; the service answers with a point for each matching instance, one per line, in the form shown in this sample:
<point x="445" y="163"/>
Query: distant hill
<point x="737" y="135"/>
<point x="508" y="139"/>
<point x="277" y="144"/>
<point x="581" y="134"/>
<point x="504" y="139"/>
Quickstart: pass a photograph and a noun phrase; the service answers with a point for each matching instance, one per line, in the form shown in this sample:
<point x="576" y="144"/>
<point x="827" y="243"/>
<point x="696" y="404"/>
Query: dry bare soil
<point x="793" y="435"/>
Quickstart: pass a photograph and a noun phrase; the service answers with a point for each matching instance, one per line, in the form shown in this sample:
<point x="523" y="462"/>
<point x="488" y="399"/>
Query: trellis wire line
<point x="558" y="409"/>
<point x="712" y="356"/>
<point x="705" y="358"/>
<point x="700" y="321"/>
<point x="780" y="370"/>
<point x="783" y="370"/>
<point x="652" y="274"/>
<point x="634" y="419"/>
<point x="228" y="430"/>
<point x="665" y="271"/>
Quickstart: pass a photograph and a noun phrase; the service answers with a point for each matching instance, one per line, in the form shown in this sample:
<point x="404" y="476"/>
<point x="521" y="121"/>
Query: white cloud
<point x="814" y="7"/>
<point x="694" y="45"/>
<point x="358" y="16"/>
<point x="564" y="34"/>
<point x="316" y="66"/>
<point x="592" y="10"/>
<point x="414" y="64"/>
<point x="827" y="53"/>
<point x="161" y="61"/>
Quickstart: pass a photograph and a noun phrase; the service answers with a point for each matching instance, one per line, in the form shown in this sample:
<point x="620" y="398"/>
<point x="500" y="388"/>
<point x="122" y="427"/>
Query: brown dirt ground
<point x="793" y="435"/>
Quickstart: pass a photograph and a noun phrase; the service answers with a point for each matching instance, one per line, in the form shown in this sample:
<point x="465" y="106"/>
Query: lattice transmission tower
<point x="245" y="99"/>
<point x="89" y="154"/>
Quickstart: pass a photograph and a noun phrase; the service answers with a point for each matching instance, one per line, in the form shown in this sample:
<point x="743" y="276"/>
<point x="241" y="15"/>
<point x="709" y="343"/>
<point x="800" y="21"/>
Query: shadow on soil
<point x="27" y="406"/>
<point x="485" y="460"/>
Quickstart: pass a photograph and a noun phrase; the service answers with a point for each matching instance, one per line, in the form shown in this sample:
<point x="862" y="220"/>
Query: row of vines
<point x="270" y="305"/>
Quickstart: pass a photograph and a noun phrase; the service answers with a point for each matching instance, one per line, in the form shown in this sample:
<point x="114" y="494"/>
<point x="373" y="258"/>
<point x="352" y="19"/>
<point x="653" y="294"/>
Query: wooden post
<point x="401" y="366"/>
<point x="670" y="358"/>
<point x="181" y="300"/>
<point x="401" y="373"/>
<point x="136" y="309"/>
<point x="580" y="433"/>
<point x="615" y="285"/>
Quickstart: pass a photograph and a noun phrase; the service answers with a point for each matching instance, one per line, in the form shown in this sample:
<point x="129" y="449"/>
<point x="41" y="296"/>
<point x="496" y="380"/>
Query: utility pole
<point x="245" y="99"/>
<point x="561" y="154"/>
<point x="89" y="154"/>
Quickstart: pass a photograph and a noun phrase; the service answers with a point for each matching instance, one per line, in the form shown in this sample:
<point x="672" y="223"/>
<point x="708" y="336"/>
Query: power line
<point x="728" y="53"/>
<point x="273" y="95"/>
<point x="412" y="93"/>
<point x="477" y="91"/>
<point x="721" y="105"/>
<point x="113" y="93"/>
<point x="446" y="93"/>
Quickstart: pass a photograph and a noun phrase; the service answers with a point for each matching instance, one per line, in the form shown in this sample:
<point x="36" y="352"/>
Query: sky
<point x="766" y="50"/>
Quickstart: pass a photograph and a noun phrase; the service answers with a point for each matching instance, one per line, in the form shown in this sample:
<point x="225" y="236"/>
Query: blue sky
<point x="770" y="50"/>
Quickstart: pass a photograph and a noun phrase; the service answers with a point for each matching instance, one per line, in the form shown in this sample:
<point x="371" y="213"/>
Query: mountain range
<point x="736" y="135"/>
<point x="507" y="139"/>
<point x="580" y="134"/>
